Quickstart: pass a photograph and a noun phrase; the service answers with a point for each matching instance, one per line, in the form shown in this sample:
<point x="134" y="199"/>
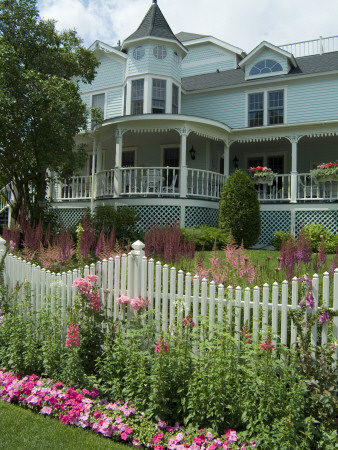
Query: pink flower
<point x="161" y="346"/>
<point x="122" y="300"/>
<point x="267" y="345"/>
<point x="199" y="439"/>
<point x="124" y="436"/>
<point x="231" y="435"/>
<point x="73" y="335"/>
<point x="136" y="303"/>
<point x="82" y="285"/>
<point x="92" y="278"/>
<point x="157" y="438"/>
<point x="324" y="318"/>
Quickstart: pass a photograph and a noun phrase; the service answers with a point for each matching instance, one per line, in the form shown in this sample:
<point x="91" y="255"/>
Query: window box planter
<point x="262" y="175"/>
<point x="325" y="172"/>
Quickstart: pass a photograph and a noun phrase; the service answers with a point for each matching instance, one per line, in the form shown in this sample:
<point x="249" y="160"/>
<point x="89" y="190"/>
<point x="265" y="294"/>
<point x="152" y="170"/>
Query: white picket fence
<point x="174" y="294"/>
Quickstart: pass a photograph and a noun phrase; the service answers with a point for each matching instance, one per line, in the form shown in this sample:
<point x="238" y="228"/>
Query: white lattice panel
<point x="327" y="218"/>
<point x="160" y="215"/>
<point x="195" y="216"/>
<point x="70" y="217"/>
<point x="273" y="221"/>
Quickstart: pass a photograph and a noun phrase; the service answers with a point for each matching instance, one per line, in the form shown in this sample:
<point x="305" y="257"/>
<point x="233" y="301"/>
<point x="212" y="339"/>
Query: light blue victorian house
<point x="181" y="112"/>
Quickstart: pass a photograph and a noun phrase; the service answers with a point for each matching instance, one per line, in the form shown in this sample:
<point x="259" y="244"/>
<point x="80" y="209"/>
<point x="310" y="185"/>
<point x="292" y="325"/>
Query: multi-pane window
<point x="266" y="66"/>
<point x="137" y="93"/>
<point x="98" y="101"/>
<point x="265" y="108"/>
<point x="256" y="109"/>
<point x="138" y="52"/>
<point x="275" y="107"/>
<point x="174" y="108"/>
<point x="159" y="52"/>
<point x="158" y="96"/>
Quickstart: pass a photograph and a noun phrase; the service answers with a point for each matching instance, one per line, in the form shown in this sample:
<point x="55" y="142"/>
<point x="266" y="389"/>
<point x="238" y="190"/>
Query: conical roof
<point x="153" y="25"/>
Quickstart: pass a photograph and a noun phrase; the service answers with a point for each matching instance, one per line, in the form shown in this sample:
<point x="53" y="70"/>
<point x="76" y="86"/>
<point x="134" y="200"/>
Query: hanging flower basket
<point x="262" y="175"/>
<point x="325" y="172"/>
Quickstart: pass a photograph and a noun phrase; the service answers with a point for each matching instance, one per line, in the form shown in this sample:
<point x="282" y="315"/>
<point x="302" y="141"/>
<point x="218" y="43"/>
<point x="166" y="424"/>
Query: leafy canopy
<point x="40" y="106"/>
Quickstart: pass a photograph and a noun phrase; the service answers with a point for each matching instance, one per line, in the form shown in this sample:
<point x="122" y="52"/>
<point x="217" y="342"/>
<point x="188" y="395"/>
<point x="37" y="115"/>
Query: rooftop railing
<point x="312" y="47"/>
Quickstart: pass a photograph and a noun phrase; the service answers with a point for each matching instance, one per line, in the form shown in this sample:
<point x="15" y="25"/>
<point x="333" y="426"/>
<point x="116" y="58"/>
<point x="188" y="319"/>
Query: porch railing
<point x="203" y="183"/>
<point x="165" y="182"/>
<point x="312" y="47"/>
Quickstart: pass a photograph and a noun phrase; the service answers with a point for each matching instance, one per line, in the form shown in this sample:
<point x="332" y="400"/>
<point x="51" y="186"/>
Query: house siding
<point x="313" y="100"/>
<point x="201" y="60"/>
<point x="149" y="64"/>
<point x="110" y="73"/>
<point x="228" y="108"/>
<point x="114" y="103"/>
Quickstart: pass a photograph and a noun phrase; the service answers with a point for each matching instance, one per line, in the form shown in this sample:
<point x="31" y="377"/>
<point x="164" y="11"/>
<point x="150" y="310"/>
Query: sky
<point x="242" y="23"/>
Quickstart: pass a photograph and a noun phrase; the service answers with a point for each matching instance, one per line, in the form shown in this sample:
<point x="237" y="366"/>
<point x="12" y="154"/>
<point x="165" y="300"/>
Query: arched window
<point x="265" y="66"/>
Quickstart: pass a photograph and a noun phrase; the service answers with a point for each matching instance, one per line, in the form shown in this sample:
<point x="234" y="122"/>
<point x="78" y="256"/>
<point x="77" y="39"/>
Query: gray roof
<point x="184" y="36"/>
<point x="327" y="62"/>
<point x="153" y="24"/>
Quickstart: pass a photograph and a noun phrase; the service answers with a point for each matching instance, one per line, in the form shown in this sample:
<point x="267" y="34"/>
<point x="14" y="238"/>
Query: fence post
<point x="138" y="254"/>
<point x="335" y="308"/>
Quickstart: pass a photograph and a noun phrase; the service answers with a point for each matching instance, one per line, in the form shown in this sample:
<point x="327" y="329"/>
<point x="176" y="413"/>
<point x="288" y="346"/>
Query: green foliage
<point x="313" y="232"/>
<point x="123" y="220"/>
<point x="40" y="106"/>
<point x="205" y="237"/>
<point x="278" y="238"/>
<point x="239" y="209"/>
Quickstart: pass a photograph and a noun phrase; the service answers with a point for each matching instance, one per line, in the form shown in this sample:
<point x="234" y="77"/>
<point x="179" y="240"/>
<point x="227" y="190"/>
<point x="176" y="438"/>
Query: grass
<point x="22" y="429"/>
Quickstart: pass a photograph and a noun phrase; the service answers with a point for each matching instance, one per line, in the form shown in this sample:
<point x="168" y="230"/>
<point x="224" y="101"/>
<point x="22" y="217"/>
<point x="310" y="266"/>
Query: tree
<point x="40" y="106"/>
<point x="239" y="209"/>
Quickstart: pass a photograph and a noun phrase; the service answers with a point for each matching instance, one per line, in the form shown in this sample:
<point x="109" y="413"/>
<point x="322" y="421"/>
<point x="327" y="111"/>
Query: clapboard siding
<point x="207" y="58"/>
<point x="313" y="100"/>
<point x="110" y="73"/>
<point x="114" y="103"/>
<point x="228" y="108"/>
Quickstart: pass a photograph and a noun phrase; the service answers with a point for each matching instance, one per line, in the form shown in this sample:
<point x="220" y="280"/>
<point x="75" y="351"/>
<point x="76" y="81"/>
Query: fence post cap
<point x="138" y="247"/>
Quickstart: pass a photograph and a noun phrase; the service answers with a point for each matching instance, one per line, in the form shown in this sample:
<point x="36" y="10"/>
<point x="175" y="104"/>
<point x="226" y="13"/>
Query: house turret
<point x="153" y="67"/>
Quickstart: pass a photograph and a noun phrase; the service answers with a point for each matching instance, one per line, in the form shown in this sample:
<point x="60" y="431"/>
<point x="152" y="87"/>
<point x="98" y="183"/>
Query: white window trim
<point x="105" y="101"/>
<point x="265" y="104"/>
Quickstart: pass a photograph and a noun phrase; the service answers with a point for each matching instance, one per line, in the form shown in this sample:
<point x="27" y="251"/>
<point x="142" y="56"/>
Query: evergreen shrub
<point x="205" y="237"/>
<point x="239" y="210"/>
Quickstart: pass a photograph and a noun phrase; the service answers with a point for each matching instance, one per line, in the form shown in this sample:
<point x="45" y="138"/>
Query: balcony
<point x="178" y="182"/>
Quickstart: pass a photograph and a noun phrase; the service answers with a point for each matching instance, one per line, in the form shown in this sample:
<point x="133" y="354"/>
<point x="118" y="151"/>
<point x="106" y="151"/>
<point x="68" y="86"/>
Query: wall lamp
<point x="192" y="152"/>
<point x="235" y="162"/>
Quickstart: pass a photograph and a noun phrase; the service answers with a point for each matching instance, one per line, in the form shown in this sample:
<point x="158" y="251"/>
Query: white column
<point x="93" y="176"/>
<point x="226" y="157"/>
<point x="118" y="164"/>
<point x="207" y="155"/>
<point x="294" y="173"/>
<point x="99" y="156"/>
<point x="183" y="164"/>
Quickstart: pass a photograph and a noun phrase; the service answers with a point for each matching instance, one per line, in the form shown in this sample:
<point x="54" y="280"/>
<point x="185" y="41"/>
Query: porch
<point x="133" y="182"/>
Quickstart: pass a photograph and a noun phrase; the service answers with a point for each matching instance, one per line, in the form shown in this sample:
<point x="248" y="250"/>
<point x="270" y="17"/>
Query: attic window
<point x="265" y="66"/>
<point x="138" y="52"/>
<point x="160" y="52"/>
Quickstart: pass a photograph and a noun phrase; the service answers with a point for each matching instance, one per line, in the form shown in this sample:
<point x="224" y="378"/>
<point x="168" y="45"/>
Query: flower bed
<point x="84" y="409"/>
<point x="325" y="172"/>
<point x="262" y="175"/>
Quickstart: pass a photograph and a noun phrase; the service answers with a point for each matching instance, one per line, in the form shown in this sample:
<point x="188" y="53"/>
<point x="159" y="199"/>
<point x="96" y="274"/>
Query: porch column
<point x="294" y="174"/>
<point x="207" y="155"/>
<point x="92" y="196"/>
<point x="118" y="163"/>
<point x="99" y="156"/>
<point x="226" y="153"/>
<point x="183" y="164"/>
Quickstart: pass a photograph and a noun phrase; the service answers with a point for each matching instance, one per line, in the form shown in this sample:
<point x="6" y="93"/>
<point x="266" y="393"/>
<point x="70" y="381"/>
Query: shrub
<point x="239" y="209"/>
<point x="123" y="220"/>
<point x="278" y="238"/>
<point x="205" y="237"/>
<point x="314" y="231"/>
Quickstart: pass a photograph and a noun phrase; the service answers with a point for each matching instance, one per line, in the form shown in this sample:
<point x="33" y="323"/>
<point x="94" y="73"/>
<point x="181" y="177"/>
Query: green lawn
<point x="22" y="429"/>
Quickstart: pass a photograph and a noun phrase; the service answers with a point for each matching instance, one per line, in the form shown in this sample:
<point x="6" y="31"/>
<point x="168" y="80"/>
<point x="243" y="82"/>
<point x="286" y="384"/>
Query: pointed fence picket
<point x="173" y="294"/>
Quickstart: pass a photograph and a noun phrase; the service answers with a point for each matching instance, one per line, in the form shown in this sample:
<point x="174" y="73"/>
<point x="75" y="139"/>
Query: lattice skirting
<point x="195" y="216"/>
<point x="69" y="217"/>
<point x="157" y="215"/>
<point x="327" y="218"/>
<point x="273" y="221"/>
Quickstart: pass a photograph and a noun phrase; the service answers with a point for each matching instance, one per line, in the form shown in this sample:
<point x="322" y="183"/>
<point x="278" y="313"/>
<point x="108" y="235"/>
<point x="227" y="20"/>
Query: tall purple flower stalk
<point x="65" y="243"/>
<point x="303" y="250"/>
<point x="87" y="237"/>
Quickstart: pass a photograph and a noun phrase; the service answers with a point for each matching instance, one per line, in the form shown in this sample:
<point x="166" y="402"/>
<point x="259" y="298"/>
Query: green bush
<point x="278" y="238"/>
<point x="331" y="244"/>
<point x="314" y="231"/>
<point x="205" y="237"/>
<point x="123" y="220"/>
<point x="239" y="210"/>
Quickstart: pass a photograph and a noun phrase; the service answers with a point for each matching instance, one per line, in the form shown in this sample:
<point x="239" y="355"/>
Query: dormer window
<point x="138" y="52"/>
<point x="265" y="66"/>
<point x="176" y="59"/>
<point x="160" y="52"/>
